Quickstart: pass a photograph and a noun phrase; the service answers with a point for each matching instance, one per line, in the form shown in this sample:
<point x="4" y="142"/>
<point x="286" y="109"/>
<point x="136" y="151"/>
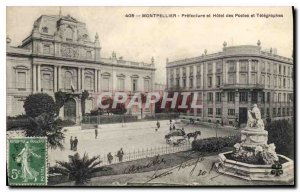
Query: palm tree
<point x="46" y="125"/>
<point x="79" y="169"/>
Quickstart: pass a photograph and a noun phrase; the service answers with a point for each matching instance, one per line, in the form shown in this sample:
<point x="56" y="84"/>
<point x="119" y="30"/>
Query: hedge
<point x="214" y="144"/>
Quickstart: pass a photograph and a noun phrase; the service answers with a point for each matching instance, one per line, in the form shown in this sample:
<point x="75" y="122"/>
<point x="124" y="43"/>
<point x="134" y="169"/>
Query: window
<point x="219" y="67"/>
<point x="191" y="71"/>
<point x="88" y="83"/>
<point x="218" y="111"/>
<point x="209" y="81"/>
<point x="243" y="65"/>
<point x="254" y="65"/>
<point x="184" y="82"/>
<point x="46" y="49"/>
<point x="280" y="69"/>
<point x="69" y="34"/>
<point x="268" y="112"/>
<point x="269" y="81"/>
<point x="284" y="82"/>
<point x="274" y="112"/>
<point x="177" y="82"/>
<point x="268" y="97"/>
<point x="209" y="67"/>
<point x="279" y="112"/>
<point x="254" y="97"/>
<point x="21" y="79"/>
<point x="231" y="96"/>
<point x="199" y="111"/>
<point x="105" y="84"/>
<point x="231" y="112"/>
<point x="218" y="96"/>
<point x="210" y="97"/>
<point x="243" y="96"/>
<point x="262" y="97"/>
<point x="275" y="68"/>
<point x="218" y="80"/>
<point x="275" y="81"/>
<point x="243" y="79"/>
<point x="287" y="111"/>
<point x="284" y="97"/>
<point x="253" y="78"/>
<point x="177" y="72"/>
<point x="283" y="111"/>
<point x="269" y="68"/>
<point x="279" y="83"/>
<point x="134" y="85"/>
<point x="279" y="97"/>
<point x="89" y="54"/>
<point x="210" y="111"/>
<point x="284" y="70"/>
<point x="231" y="79"/>
<point x="262" y="80"/>
<point x="68" y="80"/>
<point x="231" y="66"/>
<point x="262" y="112"/>
<point x="275" y="97"/>
<point x="147" y="85"/>
<point x="121" y="84"/>
<point x="198" y="81"/>
<point x="184" y="72"/>
<point x="198" y="69"/>
<point x="263" y="67"/>
<point x="47" y="82"/>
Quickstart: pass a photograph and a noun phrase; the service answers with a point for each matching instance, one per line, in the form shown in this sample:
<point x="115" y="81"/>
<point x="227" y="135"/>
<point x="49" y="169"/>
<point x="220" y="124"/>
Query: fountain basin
<point x="256" y="172"/>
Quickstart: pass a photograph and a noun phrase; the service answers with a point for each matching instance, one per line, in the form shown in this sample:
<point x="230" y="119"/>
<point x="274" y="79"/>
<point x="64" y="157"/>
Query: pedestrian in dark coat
<point x="109" y="157"/>
<point x="75" y="144"/>
<point x="120" y="155"/>
<point x="71" y="143"/>
<point x="96" y="132"/>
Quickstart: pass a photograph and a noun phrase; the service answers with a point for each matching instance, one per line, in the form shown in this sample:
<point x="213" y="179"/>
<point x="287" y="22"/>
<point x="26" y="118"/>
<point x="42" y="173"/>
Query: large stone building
<point x="230" y="81"/>
<point x="58" y="54"/>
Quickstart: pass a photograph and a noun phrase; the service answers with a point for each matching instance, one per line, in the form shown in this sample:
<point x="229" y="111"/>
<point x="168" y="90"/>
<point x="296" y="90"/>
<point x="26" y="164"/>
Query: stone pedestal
<point x="253" y="138"/>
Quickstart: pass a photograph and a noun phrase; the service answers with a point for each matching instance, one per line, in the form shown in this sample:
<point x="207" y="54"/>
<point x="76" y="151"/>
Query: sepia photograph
<point x="150" y="96"/>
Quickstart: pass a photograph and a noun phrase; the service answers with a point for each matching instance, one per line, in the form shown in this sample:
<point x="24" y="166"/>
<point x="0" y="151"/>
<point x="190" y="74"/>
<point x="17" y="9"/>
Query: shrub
<point x="36" y="104"/>
<point x="214" y="144"/>
<point x="281" y="133"/>
<point x="65" y="123"/>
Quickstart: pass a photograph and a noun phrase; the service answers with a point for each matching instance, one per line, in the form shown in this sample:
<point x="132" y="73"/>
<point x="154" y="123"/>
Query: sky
<point x="139" y="39"/>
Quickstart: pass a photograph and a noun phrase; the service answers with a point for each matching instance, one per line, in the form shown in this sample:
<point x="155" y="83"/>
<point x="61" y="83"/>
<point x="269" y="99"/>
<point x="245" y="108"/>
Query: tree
<point x="46" y="125"/>
<point x="60" y="99"/>
<point x="281" y="133"/>
<point x="108" y="101"/>
<point x="84" y="96"/>
<point x="38" y="103"/>
<point x="79" y="169"/>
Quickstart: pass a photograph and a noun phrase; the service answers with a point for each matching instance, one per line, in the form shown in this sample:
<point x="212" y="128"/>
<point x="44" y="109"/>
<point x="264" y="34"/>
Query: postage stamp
<point x="27" y="161"/>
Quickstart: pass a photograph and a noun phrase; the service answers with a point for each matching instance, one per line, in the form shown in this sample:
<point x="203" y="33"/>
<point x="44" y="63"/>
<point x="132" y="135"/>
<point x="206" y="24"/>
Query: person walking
<point x="157" y="125"/>
<point x="120" y="155"/>
<point x="75" y="144"/>
<point x="174" y="127"/>
<point x="109" y="157"/>
<point x="96" y="132"/>
<point x="71" y="143"/>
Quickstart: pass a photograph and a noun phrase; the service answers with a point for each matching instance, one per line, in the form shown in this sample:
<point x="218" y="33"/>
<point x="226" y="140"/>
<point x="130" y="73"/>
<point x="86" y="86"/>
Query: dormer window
<point x="45" y="29"/>
<point x="69" y="34"/>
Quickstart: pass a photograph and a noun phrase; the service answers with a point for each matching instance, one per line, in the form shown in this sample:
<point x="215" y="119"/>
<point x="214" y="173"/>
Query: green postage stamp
<point x="27" y="161"/>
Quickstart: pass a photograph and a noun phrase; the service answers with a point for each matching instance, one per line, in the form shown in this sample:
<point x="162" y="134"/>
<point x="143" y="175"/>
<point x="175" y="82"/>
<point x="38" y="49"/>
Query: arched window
<point x="68" y="80"/>
<point x="69" y="34"/>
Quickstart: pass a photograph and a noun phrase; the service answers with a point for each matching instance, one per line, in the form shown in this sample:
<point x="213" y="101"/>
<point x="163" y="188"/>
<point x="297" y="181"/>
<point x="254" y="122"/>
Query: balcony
<point x="242" y="86"/>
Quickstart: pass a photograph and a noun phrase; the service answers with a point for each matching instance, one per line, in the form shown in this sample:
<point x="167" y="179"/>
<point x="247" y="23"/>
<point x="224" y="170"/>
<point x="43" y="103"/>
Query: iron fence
<point x="146" y="152"/>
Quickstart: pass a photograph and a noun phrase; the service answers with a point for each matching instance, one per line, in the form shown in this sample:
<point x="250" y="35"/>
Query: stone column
<point x="96" y="80"/>
<point x="59" y="78"/>
<point x="180" y="78"/>
<point x="214" y="75"/>
<point x="258" y="71"/>
<point x="237" y="72"/>
<point x="78" y="79"/>
<point x="55" y="78"/>
<point x="99" y="80"/>
<point x="39" y="78"/>
<point x="195" y="77"/>
<point x="188" y="77"/>
<point x="249" y="72"/>
<point x="82" y="79"/>
<point x="33" y="77"/>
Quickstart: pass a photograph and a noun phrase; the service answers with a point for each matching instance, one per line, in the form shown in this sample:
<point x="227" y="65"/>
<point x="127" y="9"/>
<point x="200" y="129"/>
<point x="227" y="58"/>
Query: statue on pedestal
<point x="254" y="119"/>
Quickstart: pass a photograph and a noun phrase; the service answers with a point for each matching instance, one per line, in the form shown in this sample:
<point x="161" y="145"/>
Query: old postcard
<point x="150" y="96"/>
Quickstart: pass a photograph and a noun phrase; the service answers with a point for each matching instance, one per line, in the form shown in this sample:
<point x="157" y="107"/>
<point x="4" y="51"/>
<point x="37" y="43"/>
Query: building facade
<point x="60" y="54"/>
<point x="231" y="81"/>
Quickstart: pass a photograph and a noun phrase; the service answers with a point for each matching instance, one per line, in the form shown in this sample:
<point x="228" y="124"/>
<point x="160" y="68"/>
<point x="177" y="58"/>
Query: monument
<point x="253" y="158"/>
